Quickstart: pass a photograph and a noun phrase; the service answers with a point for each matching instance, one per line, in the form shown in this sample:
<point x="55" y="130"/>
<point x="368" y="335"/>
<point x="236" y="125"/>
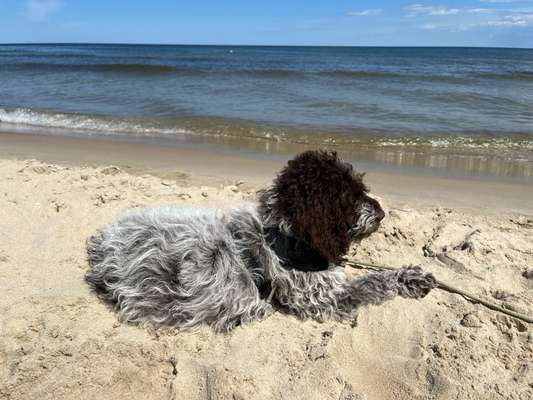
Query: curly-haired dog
<point x="188" y="266"/>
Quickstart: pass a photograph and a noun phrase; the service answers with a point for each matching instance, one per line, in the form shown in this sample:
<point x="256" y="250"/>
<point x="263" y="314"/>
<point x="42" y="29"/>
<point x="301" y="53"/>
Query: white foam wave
<point x="457" y="142"/>
<point x="28" y="117"/>
<point x="108" y="125"/>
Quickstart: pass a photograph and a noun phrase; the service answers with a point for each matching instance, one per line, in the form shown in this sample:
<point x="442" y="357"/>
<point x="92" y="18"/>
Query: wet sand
<point x="209" y="163"/>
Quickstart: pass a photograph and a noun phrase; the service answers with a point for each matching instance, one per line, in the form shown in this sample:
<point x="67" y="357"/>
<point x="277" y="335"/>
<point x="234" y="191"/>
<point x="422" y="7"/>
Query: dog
<point x="182" y="267"/>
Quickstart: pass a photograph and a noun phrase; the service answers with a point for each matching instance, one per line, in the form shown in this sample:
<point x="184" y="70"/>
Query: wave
<point x="369" y="74"/>
<point x="165" y="69"/>
<point x="407" y="76"/>
<point x="344" y="73"/>
<point x="81" y="122"/>
<point x="271" y="73"/>
<point x="459" y="76"/>
<point x="219" y="127"/>
<point x="138" y="69"/>
<point x="511" y="75"/>
<point x="148" y="69"/>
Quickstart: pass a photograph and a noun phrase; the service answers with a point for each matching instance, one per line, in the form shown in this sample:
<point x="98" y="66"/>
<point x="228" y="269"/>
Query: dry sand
<point x="58" y="341"/>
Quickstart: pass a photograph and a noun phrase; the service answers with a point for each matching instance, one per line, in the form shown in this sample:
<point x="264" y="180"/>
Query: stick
<point x="448" y="288"/>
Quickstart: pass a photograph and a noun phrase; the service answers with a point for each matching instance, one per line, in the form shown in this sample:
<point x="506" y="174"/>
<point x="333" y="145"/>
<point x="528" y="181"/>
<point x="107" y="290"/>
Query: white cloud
<point x="465" y="18"/>
<point x="416" y="9"/>
<point x="520" y="20"/>
<point x="364" y="13"/>
<point x="479" y="10"/>
<point x="40" y="10"/>
<point x="498" y="1"/>
<point x="504" y="21"/>
<point x="421" y="9"/>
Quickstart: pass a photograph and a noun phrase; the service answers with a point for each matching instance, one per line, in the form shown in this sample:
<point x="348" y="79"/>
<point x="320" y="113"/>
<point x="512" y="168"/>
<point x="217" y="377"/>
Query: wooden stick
<point x="448" y="288"/>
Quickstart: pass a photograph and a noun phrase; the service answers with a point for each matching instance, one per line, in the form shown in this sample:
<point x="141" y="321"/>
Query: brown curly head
<point x="324" y="201"/>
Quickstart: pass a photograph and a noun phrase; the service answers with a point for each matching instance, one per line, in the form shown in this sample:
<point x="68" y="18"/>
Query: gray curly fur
<point x="183" y="267"/>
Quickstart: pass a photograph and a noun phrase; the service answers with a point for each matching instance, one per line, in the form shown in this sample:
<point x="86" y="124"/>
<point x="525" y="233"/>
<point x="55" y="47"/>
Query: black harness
<point x="295" y="253"/>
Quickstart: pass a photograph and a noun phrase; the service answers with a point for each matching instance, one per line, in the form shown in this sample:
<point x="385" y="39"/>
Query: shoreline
<point x="469" y="156"/>
<point x="211" y="163"/>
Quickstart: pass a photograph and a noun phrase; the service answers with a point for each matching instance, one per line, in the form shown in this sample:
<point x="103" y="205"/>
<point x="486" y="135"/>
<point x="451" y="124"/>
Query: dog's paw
<point x="414" y="283"/>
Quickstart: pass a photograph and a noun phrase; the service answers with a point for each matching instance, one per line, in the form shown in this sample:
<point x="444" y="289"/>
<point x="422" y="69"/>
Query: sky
<point x="498" y="23"/>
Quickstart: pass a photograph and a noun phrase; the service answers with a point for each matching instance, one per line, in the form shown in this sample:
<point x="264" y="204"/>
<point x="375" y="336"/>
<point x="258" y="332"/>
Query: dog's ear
<point x="317" y="194"/>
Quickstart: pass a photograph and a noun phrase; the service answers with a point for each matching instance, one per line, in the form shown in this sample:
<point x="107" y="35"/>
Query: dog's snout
<point x="378" y="211"/>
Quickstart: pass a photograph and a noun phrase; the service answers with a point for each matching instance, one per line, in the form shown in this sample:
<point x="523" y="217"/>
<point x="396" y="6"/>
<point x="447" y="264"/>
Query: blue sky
<point x="289" y="22"/>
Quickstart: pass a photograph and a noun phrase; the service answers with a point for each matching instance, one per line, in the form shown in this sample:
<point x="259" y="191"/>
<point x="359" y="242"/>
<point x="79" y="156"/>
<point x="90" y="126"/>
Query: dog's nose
<point x="381" y="215"/>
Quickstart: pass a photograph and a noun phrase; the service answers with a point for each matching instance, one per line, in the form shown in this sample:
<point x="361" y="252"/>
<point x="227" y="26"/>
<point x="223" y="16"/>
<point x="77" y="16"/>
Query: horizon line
<point x="260" y="45"/>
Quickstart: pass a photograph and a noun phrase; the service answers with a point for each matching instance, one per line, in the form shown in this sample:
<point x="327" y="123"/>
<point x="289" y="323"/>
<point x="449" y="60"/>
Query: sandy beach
<point x="59" y="341"/>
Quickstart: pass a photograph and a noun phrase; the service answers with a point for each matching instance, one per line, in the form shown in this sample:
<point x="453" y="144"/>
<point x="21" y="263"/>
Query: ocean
<point x="468" y="109"/>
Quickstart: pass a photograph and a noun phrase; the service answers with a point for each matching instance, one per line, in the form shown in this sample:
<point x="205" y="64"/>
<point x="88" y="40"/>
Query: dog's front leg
<point x="376" y="288"/>
<point x="331" y="294"/>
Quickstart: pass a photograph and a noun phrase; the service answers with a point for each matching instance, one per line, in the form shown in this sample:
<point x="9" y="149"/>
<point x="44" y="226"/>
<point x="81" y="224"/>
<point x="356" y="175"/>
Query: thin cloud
<point x="522" y="20"/>
<point x="40" y="10"/>
<point x="479" y="10"/>
<point x="416" y="9"/>
<point x="421" y="9"/>
<point x="364" y="13"/>
<point x="433" y="17"/>
<point x="497" y="21"/>
<point x="498" y="1"/>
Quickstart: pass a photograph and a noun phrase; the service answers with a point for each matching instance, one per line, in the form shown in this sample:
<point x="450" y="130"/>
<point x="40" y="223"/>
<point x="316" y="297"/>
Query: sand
<point x="59" y="341"/>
